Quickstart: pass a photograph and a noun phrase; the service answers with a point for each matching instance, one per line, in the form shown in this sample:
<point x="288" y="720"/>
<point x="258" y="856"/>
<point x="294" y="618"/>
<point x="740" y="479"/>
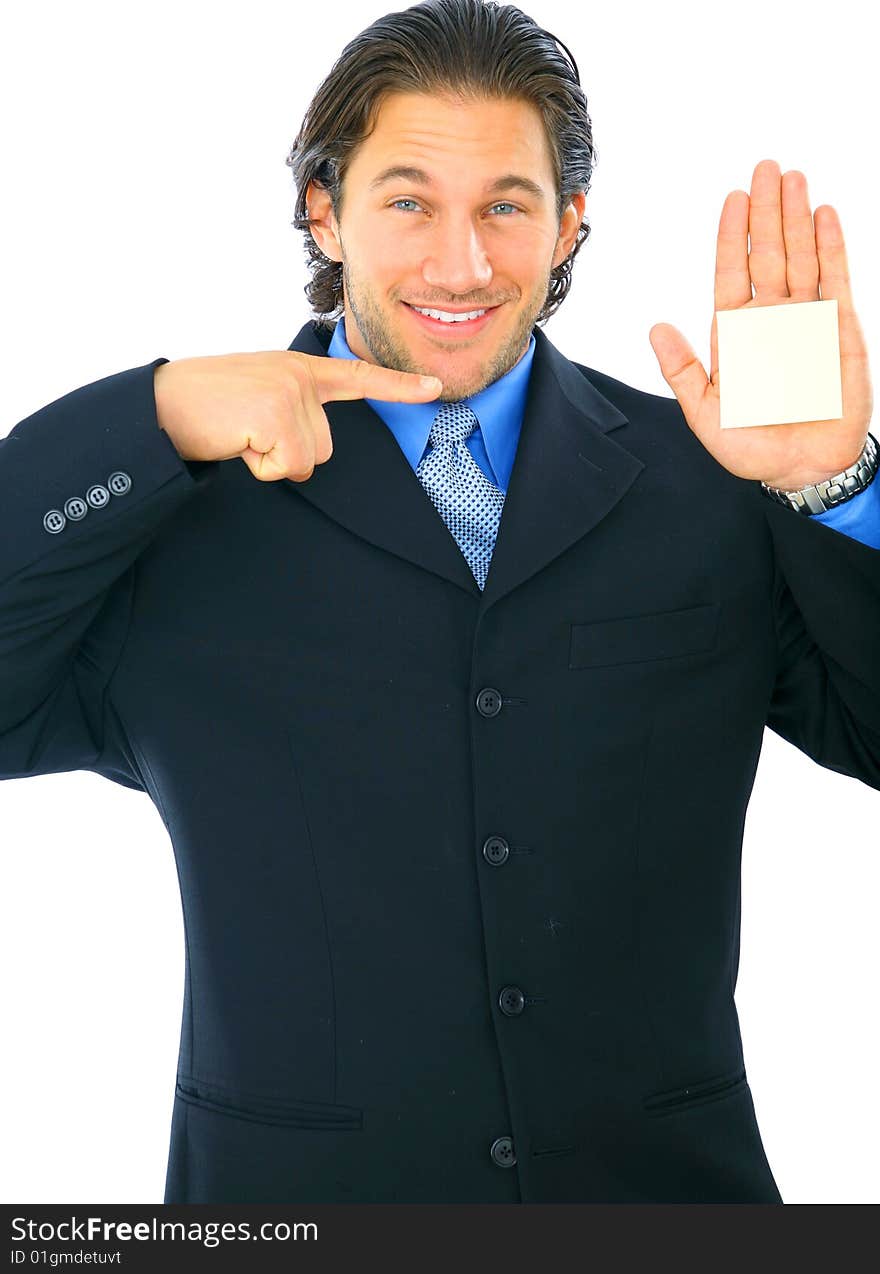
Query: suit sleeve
<point x="85" y="484"/>
<point x="826" y="696"/>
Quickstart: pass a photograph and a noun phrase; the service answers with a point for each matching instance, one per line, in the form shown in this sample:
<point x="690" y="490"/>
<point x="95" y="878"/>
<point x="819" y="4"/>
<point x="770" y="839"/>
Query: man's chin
<point x="462" y="373"/>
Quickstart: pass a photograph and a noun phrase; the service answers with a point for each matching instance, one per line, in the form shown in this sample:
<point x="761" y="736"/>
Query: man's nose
<point x="457" y="261"/>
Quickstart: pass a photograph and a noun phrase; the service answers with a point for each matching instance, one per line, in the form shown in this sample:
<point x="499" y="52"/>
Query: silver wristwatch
<point x="821" y="496"/>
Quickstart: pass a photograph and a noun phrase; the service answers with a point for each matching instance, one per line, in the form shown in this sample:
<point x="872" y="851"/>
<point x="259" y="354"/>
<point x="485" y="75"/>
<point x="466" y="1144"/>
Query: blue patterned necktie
<point x="466" y="500"/>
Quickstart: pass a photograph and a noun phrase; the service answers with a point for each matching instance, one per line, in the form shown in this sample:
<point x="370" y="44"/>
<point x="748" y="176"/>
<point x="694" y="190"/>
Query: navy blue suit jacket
<point x="460" y="871"/>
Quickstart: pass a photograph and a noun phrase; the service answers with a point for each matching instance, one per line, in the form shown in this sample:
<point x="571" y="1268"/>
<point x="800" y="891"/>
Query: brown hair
<point x="455" y="47"/>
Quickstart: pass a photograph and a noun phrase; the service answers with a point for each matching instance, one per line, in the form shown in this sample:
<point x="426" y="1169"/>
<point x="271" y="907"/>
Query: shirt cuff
<point x="858" y="517"/>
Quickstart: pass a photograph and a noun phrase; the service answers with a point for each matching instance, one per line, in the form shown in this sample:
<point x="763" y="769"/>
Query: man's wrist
<point x="819" y="497"/>
<point x="164" y="417"/>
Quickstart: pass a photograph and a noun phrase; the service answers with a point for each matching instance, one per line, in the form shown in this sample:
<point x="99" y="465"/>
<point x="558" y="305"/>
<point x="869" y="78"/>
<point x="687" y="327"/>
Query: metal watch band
<point x="821" y="496"/>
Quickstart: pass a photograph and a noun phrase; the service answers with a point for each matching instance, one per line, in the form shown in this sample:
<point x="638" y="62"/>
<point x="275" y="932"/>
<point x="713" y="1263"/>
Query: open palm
<point x="788" y="262"/>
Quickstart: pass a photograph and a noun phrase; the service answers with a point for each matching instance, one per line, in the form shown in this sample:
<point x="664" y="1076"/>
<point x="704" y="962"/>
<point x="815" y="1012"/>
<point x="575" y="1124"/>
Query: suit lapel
<point x="567" y="475"/>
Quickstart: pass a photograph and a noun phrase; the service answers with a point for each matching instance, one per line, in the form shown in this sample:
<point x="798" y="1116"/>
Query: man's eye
<point x="397" y="201"/>
<point x="505" y="205"/>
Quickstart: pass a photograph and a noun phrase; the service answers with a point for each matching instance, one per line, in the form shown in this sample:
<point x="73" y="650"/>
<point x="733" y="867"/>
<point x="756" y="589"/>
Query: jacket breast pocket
<point x="666" y="634"/>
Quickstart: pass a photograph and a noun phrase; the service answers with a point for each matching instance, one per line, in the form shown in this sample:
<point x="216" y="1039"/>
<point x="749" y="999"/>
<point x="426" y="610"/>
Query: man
<point x="453" y="713"/>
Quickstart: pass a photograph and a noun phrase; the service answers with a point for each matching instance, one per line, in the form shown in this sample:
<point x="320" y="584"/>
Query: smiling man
<point x="450" y="211"/>
<point x="451" y="695"/>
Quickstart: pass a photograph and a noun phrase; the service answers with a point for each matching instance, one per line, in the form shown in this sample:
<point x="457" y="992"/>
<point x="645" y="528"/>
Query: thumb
<point x="681" y="369"/>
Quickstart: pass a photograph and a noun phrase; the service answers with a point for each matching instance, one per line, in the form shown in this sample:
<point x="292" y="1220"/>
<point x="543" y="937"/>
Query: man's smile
<point x="455" y="327"/>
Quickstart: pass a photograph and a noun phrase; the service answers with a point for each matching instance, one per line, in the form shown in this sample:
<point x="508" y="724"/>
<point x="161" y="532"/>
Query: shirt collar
<point x="499" y="408"/>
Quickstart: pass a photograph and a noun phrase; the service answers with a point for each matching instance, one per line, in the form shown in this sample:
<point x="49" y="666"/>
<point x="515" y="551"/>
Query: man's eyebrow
<point x="509" y="181"/>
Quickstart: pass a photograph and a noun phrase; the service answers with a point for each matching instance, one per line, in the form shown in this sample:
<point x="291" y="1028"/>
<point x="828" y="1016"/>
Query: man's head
<point x="477" y="102"/>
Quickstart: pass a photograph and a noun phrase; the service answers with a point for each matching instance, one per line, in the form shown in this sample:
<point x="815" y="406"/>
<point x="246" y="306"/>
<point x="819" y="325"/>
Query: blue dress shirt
<point x="500" y="407"/>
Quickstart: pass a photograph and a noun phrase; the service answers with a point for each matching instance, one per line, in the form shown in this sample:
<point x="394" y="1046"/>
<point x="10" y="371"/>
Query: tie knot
<point x="453" y="423"/>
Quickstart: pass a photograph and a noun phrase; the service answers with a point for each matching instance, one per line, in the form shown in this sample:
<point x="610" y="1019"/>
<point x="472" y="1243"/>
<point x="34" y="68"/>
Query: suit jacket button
<point x="54" y="521"/>
<point x="502" y="1152"/>
<point x="119" y="482"/>
<point x="511" y="1001"/>
<point x="489" y="702"/>
<point x="76" y="508"/>
<point x="495" y="850"/>
<point x="98" y="496"/>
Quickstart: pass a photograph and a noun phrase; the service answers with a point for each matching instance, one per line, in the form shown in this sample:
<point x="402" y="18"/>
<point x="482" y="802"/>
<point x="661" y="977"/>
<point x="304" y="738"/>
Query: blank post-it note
<point x="779" y="364"/>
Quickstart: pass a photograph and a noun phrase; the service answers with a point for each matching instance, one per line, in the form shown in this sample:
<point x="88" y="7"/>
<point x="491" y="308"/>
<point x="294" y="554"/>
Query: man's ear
<point x="324" y="228"/>
<point x="569" y="227"/>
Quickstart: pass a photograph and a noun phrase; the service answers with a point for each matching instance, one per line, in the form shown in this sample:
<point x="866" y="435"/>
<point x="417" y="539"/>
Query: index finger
<point x="733" y="284"/>
<point x="346" y="378"/>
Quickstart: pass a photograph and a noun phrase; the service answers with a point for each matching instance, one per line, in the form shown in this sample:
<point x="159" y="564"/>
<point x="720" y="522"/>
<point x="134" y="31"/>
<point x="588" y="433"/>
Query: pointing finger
<point x="347" y="378"/>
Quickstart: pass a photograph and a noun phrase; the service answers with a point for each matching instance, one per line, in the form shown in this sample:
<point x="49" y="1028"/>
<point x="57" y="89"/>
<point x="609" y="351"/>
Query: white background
<point x="146" y="212"/>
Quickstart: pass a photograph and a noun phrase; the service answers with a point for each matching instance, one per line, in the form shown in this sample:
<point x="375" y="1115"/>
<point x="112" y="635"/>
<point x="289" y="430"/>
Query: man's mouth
<point x="460" y="323"/>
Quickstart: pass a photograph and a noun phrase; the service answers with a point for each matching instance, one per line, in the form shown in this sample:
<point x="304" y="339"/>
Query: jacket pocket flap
<point x="270" y="1110"/>
<point x="695" y="1094"/>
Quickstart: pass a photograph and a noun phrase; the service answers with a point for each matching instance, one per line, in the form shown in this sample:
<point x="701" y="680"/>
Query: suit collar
<point x="568" y="474"/>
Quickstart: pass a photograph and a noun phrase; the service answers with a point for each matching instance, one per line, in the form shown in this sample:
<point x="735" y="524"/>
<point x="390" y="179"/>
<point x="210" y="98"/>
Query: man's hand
<point x="787" y="263"/>
<point x="267" y="406"/>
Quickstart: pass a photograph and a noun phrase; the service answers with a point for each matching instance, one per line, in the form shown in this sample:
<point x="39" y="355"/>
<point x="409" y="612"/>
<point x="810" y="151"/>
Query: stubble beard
<point x="388" y="352"/>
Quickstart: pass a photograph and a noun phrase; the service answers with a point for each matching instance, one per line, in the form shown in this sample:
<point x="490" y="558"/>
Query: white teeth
<point x="445" y="317"/>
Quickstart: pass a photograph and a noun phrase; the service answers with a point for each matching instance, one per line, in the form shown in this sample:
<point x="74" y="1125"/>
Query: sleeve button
<point x="76" y="508"/>
<point x="119" y="482"/>
<point x="98" y="496"/>
<point x="54" y="521"/>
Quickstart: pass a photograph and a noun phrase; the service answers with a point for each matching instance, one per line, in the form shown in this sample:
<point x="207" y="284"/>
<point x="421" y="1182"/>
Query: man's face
<point x="447" y="240"/>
